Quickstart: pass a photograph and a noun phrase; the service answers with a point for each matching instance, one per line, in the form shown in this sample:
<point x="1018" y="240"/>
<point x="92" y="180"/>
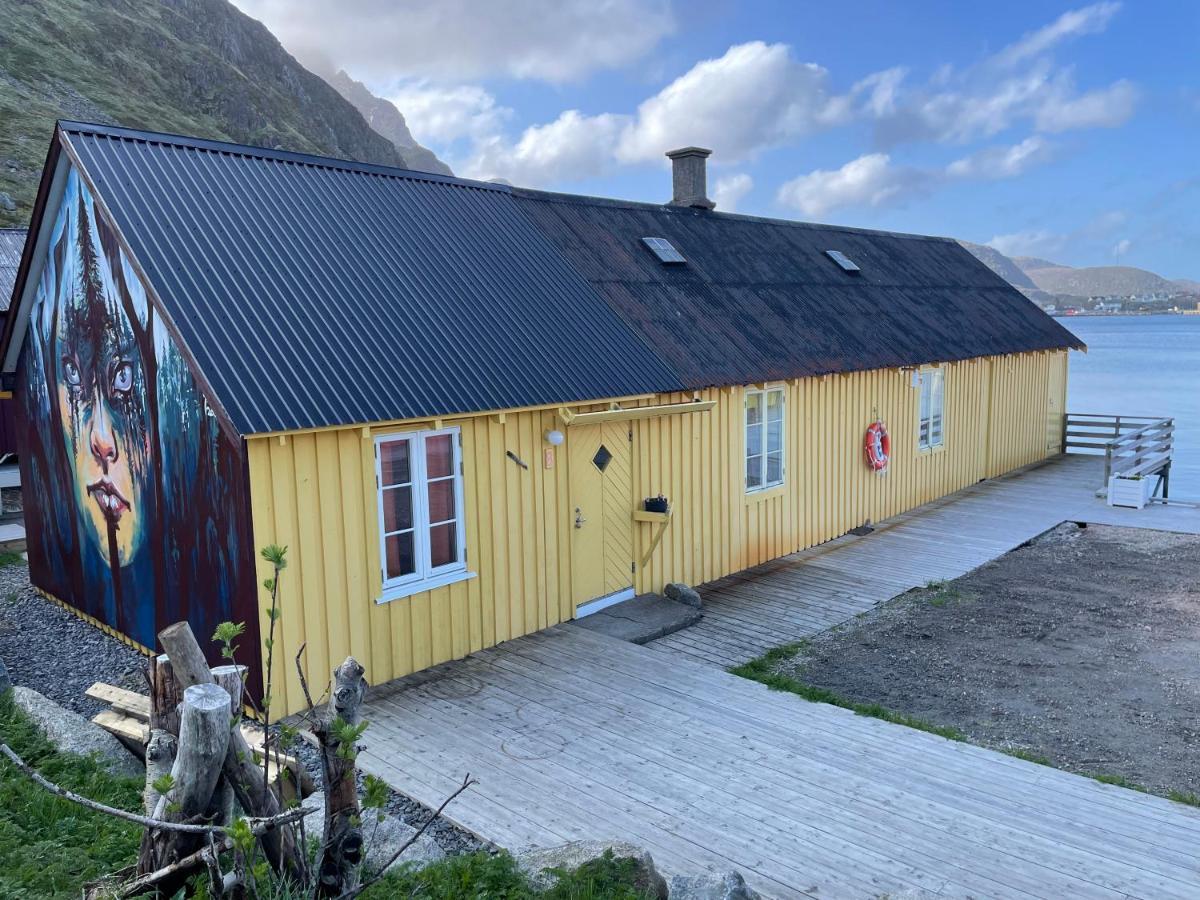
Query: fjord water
<point x="1143" y="366"/>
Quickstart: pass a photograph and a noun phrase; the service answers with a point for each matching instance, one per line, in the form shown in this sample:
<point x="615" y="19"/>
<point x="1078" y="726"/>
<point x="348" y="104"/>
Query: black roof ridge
<point x="582" y="199"/>
<point x="336" y="163"/>
<point x="286" y="156"/>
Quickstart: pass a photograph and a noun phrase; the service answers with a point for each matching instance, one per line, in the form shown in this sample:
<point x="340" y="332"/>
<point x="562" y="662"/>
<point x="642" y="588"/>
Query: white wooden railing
<point x="1131" y="445"/>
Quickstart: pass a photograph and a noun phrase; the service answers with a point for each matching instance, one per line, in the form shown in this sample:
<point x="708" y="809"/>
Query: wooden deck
<point x="799" y="595"/>
<point x="573" y="735"/>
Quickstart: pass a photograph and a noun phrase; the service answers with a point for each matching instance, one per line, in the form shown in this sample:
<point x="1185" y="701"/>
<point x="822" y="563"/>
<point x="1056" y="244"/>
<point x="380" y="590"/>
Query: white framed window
<point x="764" y="438"/>
<point x="422" y="534"/>
<point x="930" y="431"/>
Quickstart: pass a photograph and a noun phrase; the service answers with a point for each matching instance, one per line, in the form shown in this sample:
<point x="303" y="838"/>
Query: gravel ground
<point x="60" y="656"/>
<point x="1082" y="647"/>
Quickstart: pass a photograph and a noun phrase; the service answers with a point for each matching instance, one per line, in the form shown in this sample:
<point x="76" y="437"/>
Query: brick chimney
<point x="689" y="178"/>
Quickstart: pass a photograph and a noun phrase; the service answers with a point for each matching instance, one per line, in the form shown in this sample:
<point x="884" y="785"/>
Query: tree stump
<point x="203" y="743"/>
<point x="165" y="697"/>
<point x="342" y="849"/>
<point x="233" y="679"/>
<point x="249" y="785"/>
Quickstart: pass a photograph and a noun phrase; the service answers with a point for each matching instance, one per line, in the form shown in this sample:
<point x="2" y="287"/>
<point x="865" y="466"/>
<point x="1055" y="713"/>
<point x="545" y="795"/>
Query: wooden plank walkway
<point x="808" y="592"/>
<point x="574" y="735"/>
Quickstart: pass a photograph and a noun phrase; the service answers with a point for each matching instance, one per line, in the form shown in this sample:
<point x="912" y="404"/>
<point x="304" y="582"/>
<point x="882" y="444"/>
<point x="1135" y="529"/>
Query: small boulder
<point x="381" y="839"/>
<point x="681" y="593"/>
<point x="534" y="863"/>
<point x="730" y="886"/>
<point x="7" y="202"/>
<point x="72" y="733"/>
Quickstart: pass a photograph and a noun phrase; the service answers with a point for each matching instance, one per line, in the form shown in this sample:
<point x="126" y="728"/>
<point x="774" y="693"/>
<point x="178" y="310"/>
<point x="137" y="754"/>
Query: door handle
<point x="579" y="519"/>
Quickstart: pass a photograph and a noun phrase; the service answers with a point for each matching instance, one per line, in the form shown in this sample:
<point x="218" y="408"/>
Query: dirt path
<point x="1082" y="647"/>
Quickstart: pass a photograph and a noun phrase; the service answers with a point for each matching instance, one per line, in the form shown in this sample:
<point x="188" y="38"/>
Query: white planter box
<point x="1130" y="492"/>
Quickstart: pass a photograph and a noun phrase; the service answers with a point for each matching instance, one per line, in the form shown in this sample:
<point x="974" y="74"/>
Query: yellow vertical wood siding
<point x="315" y="493"/>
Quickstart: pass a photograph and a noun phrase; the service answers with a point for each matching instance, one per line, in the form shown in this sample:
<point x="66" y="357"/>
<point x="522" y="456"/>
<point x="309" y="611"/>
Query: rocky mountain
<point x="197" y="67"/>
<point x="1001" y="265"/>
<point x="1042" y="280"/>
<point x="383" y="116"/>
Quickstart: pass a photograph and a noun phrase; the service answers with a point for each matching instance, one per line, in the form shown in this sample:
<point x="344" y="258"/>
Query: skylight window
<point x="847" y="264"/>
<point x="664" y="250"/>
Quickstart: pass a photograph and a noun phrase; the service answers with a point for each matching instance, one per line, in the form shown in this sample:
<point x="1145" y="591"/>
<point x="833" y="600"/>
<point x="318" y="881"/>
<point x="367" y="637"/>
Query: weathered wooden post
<point x="203" y="743"/>
<point x="163" y="742"/>
<point x="342" y="849"/>
<point x="251" y="789"/>
<point x="233" y="680"/>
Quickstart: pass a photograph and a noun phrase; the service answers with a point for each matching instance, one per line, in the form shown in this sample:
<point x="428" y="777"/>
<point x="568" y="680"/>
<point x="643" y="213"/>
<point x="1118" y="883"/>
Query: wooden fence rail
<point x="1131" y="445"/>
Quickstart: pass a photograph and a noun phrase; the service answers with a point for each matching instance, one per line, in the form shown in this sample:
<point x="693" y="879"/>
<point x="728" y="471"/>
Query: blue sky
<point x="1068" y="131"/>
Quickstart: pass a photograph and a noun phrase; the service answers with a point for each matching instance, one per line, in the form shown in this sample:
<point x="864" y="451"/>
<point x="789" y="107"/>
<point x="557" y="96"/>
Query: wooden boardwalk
<point x="799" y="595"/>
<point x="573" y="735"/>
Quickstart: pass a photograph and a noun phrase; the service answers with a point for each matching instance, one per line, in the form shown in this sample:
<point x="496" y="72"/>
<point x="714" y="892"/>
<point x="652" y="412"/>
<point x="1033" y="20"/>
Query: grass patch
<point x="9" y="558"/>
<point x="1186" y="797"/>
<point x="1120" y="781"/>
<point x="763" y="670"/>
<point x="50" y="846"/>
<point x="1028" y="756"/>
<point x="497" y="877"/>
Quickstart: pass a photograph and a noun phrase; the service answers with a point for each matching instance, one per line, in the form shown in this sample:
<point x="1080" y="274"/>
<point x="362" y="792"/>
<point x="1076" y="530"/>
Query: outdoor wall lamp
<point x="554" y="438"/>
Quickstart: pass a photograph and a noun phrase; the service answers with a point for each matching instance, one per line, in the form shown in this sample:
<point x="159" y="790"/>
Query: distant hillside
<point x="1100" y="281"/>
<point x="1001" y="265"/>
<point x="388" y="121"/>
<point x="197" y="67"/>
<point x="1025" y="263"/>
<point x="1041" y="280"/>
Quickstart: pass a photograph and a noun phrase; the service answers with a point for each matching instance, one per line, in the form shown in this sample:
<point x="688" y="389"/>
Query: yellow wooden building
<point x="471" y="411"/>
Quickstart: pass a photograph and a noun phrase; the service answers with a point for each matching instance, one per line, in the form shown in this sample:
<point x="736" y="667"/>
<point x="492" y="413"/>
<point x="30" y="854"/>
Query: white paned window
<point x="764" y="438"/>
<point x="422" y="541"/>
<point x="930" y="432"/>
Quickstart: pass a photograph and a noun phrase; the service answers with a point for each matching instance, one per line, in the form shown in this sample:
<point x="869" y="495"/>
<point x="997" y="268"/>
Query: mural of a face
<point x="101" y="399"/>
<point x="134" y="507"/>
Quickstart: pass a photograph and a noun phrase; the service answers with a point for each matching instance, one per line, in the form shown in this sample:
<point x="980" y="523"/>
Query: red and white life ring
<point x="878" y="447"/>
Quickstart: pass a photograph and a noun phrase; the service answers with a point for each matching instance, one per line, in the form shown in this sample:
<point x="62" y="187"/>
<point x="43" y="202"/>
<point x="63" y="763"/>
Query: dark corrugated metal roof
<point x="319" y="292"/>
<point x="12" y="242"/>
<point x="314" y="292"/>
<point x="760" y="298"/>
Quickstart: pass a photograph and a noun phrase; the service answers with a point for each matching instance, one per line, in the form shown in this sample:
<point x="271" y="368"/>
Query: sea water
<point x="1143" y="366"/>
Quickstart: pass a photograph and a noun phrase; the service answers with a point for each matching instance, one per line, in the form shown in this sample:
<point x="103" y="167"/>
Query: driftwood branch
<point x="354" y="892"/>
<point x="258" y="824"/>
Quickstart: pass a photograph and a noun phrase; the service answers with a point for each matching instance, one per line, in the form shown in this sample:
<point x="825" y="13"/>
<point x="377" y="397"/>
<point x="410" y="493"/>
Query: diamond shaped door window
<point x="602" y="458"/>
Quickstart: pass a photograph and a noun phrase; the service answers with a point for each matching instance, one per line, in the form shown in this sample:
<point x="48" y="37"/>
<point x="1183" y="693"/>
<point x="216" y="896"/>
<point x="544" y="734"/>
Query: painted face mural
<point x="133" y="493"/>
<point x="101" y="399"/>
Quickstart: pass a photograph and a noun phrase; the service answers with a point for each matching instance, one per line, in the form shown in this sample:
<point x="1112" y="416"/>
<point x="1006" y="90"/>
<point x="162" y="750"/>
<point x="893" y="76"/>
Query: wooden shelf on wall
<point x="641" y="515"/>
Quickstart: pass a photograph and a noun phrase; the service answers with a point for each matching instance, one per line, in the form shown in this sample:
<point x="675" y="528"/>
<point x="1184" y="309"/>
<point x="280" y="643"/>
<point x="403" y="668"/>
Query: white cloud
<point x="882" y="89"/>
<point x="442" y="115"/>
<point x="1121" y="247"/>
<point x="572" y="147"/>
<point x="1035" y="242"/>
<point x="463" y="40"/>
<point x="1002" y="162"/>
<point x="753" y="97"/>
<point x="1019" y="84"/>
<point x="870" y="180"/>
<point x="1103" y="108"/>
<point x="1088" y="20"/>
<point x="874" y="180"/>
<point x="730" y="190"/>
